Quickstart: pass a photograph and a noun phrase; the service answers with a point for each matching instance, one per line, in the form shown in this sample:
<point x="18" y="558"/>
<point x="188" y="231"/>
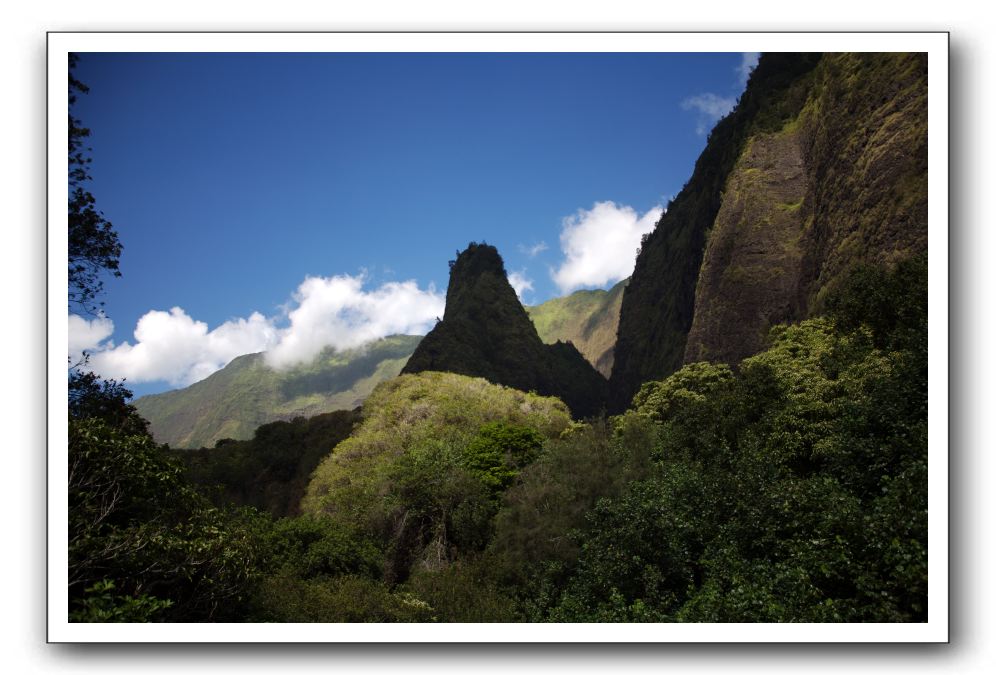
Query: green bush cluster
<point x="794" y="490"/>
<point x="143" y="543"/>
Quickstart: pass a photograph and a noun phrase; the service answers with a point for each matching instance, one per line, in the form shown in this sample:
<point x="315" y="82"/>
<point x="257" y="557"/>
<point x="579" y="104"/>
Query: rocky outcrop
<point x="486" y="333"/>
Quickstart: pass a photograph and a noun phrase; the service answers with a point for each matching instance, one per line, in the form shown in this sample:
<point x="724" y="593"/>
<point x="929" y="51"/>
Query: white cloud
<point x="520" y="282"/>
<point x="86" y="335"/>
<point x="711" y="109"/>
<point x="600" y="245"/>
<point x="748" y="60"/>
<point x="337" y="311"/>
<point x="172" y="346"/>
<point x="534" y="250"/>
<point x="333" y="311"/>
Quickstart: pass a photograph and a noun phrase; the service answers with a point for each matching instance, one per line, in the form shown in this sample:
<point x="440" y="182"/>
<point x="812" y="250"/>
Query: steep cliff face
<point x="486" y="333"/>
<point x="821" y="166"/>
<point x="750" y="270"/>
<point x="659" y="302"/>
<point x="865" y="134"/>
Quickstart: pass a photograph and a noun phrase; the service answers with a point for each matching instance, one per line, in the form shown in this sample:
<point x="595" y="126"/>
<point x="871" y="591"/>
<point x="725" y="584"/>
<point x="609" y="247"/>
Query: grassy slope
<point x="245" y="394"/>
<point x="587" y="318"/>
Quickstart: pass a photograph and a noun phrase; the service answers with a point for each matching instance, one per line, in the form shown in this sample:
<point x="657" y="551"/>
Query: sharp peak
<point x="478" y="257"/>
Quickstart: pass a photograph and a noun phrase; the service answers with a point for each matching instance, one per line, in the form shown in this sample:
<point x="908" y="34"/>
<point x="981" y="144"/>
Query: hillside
<point x="247" y="393"/>
<point x="486" y="333"/>
<point x="588" y="319"/>
<point x="819" y="168"/>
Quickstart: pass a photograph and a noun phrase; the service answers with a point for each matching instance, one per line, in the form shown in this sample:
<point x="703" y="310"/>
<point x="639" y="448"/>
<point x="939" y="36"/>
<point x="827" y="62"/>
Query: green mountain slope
<point x="588" y="319"/>
<point x="486" y="333"/>
<point x="247" y="393"/>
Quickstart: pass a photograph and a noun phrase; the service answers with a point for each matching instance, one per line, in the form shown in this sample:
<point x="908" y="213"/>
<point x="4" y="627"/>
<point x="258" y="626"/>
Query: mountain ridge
<point x="245" y="394"/>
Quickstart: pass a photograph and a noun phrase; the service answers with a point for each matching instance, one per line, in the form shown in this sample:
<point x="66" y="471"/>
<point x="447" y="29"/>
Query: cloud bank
<point x="600" y="244"/>
<point x="337" y="312"/>
<point x="325" y="311"/>
<point x="172" y="346"/>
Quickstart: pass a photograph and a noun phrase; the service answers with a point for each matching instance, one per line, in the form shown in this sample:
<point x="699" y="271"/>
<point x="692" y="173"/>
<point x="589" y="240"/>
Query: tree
<point x="143" y="543"/>
<point x="89" y="396"/>
<point x="93" y="244"/>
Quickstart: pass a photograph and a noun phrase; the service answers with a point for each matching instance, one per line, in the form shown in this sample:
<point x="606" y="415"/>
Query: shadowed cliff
<point x="486" y="333"/>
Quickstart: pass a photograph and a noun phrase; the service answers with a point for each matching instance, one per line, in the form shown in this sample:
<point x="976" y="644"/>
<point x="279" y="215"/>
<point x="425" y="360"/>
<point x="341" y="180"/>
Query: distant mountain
<point x="588" y="319"/>
<point x="247" y="393"/>
<point x="486" y="333"/>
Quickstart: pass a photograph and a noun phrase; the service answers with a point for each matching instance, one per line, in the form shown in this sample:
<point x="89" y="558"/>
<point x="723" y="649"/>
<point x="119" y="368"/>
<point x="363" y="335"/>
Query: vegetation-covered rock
<point x="422" y="471"/>
<point x="822" y="165"/>
<point x="486" y="333"/>
<point x="659" y="303"/>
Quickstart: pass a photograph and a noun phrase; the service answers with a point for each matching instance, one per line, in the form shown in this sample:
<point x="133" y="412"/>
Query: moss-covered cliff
<point x="821" y="166"/>
<point x="486" y="333"/>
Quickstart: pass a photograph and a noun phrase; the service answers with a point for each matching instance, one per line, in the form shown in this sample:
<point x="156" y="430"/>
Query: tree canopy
<point x="94" y="248"/>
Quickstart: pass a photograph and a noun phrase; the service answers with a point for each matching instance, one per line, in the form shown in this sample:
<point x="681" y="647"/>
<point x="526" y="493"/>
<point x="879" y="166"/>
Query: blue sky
<point x="287" y="201"/>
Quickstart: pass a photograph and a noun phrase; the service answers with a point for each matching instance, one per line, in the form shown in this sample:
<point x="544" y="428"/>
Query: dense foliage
<point x="791" y="488"/>
<point x="422" y="472"/>
<point x="271" y="471"/>
<point x="143" y="543"/>
<point x="794" y="490"/>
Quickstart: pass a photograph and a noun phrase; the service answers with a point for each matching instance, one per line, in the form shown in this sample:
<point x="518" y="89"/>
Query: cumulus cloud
<point x="520" y="282"/>
<point x="334" y="311"/>
<point x="87" y="334"/>
<point x="711" y="109"/>
<point x="534" y="250"/>
<point x="172" y="346"/>
<point x="337" y="311"/>
<point x="600" y="244"/>
<point x="748" y="60"/>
